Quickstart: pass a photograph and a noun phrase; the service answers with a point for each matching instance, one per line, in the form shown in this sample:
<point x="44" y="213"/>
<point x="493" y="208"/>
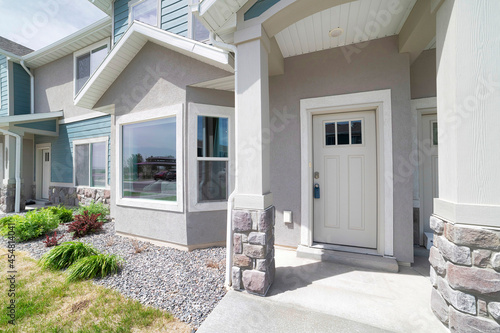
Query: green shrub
<point x="64" y="214"/>
<point x="4" y="221"/>
<point x="99" y="265"/>
<point x="66" y="254"/>
<point x="34" y="224"/>
<point x="94" y="208"/>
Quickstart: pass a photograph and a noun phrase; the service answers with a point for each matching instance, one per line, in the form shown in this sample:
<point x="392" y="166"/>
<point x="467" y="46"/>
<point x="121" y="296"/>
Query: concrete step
<point x="42" y="202"/>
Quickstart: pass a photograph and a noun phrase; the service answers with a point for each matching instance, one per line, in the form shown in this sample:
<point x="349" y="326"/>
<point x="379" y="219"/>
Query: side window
<point x="145" y="11"/>
<point x="90" y="164"/>
<point x="86" y="62"/>
<point x="199" y="32"/>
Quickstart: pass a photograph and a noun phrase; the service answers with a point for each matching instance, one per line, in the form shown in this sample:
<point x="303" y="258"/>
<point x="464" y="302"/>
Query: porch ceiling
<point x="361" y="21"/>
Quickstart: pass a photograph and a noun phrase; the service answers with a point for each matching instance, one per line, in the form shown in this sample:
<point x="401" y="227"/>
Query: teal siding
<point x="174" y="16"/>
<point x="46" y="125"/>
<point x="21" y="90"/>
<point x="62" y="146"/>
<point x="258" y="8"/>
<point x="4" y="88"/>
<point x="121" y="19"/>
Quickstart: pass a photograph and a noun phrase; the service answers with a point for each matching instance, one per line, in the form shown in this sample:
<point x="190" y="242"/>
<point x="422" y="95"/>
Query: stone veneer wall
<point x="253" y="250"/>
<point x="8" y="198"/>
<point x="465" y="273"/>
<point x="73" y="196"/>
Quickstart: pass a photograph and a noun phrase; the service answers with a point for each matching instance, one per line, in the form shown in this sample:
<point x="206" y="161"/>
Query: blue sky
<point x="38" y="23"/>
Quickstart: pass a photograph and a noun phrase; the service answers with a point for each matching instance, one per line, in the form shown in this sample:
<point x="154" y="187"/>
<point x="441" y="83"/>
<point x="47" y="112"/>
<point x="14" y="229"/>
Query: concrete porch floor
<point x="314" y="296"/>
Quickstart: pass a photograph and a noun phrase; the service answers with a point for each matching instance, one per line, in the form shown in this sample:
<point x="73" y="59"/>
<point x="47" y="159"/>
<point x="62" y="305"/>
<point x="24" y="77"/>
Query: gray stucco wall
<point x="54" y="89"/>
<point x="423" y="75"/>
<point x="378" y="66"/>
<point x="155" y="78"/>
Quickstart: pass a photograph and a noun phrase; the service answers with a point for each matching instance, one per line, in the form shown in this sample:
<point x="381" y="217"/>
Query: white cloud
<point x="42" y="22"/>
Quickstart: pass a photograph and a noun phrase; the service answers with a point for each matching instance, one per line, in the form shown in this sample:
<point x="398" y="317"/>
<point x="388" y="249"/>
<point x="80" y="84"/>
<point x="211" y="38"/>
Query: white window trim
<point x="38" y="172"/>
<point x="136" y="2"/>
<point x="176" y="111"/>
<point x="380" y="101"/>
<point x="87" y="49"/>
<point x="104" y="139"/>
<point x="196" y="110"/>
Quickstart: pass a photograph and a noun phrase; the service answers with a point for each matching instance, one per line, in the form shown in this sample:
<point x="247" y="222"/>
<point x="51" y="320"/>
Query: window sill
<point x="149" y="204"/>
<point x="208" y="206"/>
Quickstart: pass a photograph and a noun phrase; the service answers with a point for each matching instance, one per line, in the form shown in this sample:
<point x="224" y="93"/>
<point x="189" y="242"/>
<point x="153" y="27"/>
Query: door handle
<point x="316" y="191"/>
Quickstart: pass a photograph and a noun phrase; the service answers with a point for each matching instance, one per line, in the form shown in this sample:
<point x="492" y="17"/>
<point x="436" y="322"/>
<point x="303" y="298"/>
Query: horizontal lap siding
<point x="174" y="16"/>
<point x="62" y="146"/>
<point x="120" y="18"/>
<point x="4" y="98"/>
<point x="47" y="125"/>
<point x="21" y="90"/>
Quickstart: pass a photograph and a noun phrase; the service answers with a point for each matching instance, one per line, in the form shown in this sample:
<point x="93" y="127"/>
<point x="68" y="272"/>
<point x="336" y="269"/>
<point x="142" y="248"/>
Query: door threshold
<point x="345" y="248"/>
<point x="364" y="260"/>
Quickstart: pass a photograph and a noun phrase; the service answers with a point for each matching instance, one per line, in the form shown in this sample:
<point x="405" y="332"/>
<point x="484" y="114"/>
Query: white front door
<point x="429" y="162"/>
<point x="345" y="170"/>
<point x="45" y="173"/>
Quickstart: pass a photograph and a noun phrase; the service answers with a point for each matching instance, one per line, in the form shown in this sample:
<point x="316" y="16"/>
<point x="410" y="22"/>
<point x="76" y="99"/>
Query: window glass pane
<point x="343" y="133"/>
<point x="99" y="164"/>
<point x="212" y="137"/>
<point x="435" y="133"/>
<point x="356" y="132"/>
<point x="330" y="134"/>
<point x="97" y="56"/>
<point x="212" y="180"/>
<point x="200" y="33"/>
<point x="82" y="165"/>
<point x="149" y="160"/>
<point x="82" y="71"/>
<point x="146" y="12"/>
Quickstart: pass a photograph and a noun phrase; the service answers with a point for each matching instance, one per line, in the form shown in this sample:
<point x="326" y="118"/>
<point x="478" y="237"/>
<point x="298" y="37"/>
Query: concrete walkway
<point x="314" y="296"/>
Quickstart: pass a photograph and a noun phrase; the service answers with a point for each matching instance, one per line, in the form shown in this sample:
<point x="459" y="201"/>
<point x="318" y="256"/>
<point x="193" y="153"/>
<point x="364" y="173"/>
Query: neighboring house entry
<point x="429" y="168"/>
<point x="45" y="173"/>
<point x="345" y="174"/>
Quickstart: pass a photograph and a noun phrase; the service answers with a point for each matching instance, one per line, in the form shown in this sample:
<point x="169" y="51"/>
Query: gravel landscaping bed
<point x="187" y="284"/>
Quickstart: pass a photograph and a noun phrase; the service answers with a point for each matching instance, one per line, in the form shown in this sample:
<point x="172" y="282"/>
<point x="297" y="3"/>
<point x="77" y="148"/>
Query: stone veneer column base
<point x="253" y="250"/>
<point x="465" y="274"/>
<point x="73" y="196"/>
<point x="8" y="198"/>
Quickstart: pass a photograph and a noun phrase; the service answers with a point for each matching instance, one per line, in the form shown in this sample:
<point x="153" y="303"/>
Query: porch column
<point x="253" y="215"/>
<point x="465" y="257"/>
<point x="8" y="191"/>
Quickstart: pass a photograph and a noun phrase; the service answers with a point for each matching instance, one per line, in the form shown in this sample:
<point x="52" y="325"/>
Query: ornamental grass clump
<point x="66" y="254"/>
<point x="99" y="265"/>
<point x="84" y="224"/>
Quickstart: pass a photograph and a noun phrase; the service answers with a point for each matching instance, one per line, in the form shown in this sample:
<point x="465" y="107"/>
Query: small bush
<point x="52" y="241"/>
<point x="64" y="214"/>
<point x="94" y="208"/>
<point x="83" y="224"/>
<point x="99" y="265"/>
<point x="34" y="224"/>
<point x="66" y="254"/>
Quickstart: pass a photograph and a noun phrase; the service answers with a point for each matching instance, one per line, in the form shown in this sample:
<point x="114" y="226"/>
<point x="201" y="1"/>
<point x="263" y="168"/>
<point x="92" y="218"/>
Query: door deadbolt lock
<point x="316" y="175"/>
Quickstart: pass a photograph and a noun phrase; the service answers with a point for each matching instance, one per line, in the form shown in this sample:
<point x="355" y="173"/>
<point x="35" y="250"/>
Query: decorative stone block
<point x="242" y="261"/>
<point x="237" y="245"/>
<point x="258" y="238"/>
<point x="433" y="276"/>
<point x="254" y="251"/>
<point x="457" y="254"/>
<point x="459" y="300"/>
<point x="436" y="224"/>
<point x="473" y="236"/>
<point x="437" y="261"/>
<point x="461" y="322"/>
<point x="494" y="310"/>
<point x="480" y="258"/>
<point x="256" y="282"/>
<point x="261" y="264"/>
<point x="242" y="221"/>
<point x="107" y="194"/>
<point x="266" y="219"/>
<point x="495" y="261"/>
<point x="439" y="306"/>
<point x="482" y="308"/>
<point x="236" y="277"/>
<point x="484" y="281"/>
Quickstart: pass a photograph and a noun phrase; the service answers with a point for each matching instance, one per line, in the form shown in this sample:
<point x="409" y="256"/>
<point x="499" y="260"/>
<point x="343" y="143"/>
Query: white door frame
<point x="39" y="167"/>
<point x="380" y="101"/>
<point x="419" y="108"/>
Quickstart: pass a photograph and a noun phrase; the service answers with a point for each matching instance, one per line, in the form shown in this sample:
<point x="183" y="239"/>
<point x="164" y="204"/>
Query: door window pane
<point x="99" y="164"/>
<point x="82" y="71"/>
<point x="435" y="133"/>
<point x="149" y="160"/>
<point x="343" y="132"/>
<point x="82" y="165"/>
<point x="212" y="180"/>
<point x="330" y="134"/>
<point x="146" y="12"/>
<point x="356" y="132"/>
<point x="212" y="137"/>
